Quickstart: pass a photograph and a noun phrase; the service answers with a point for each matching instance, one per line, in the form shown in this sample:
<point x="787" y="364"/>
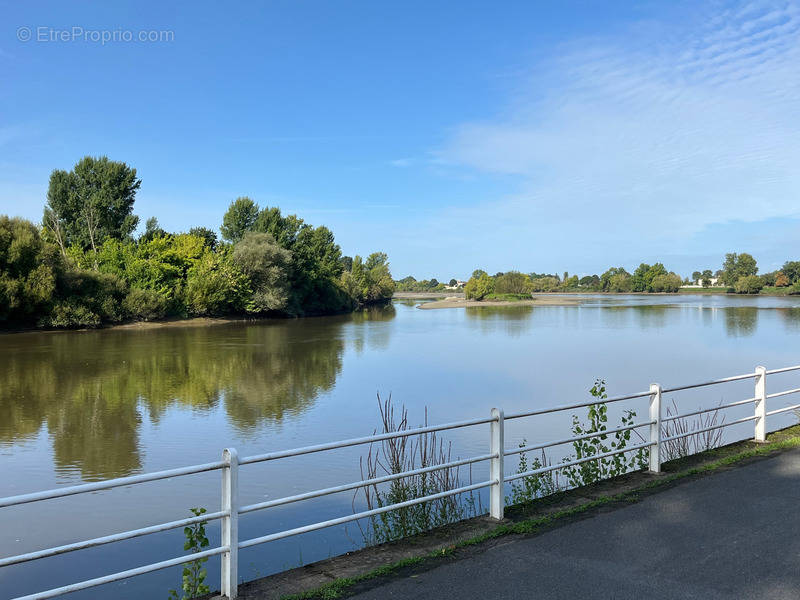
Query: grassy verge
<point x="507" y="297"/>
<point x="674" y="471"/>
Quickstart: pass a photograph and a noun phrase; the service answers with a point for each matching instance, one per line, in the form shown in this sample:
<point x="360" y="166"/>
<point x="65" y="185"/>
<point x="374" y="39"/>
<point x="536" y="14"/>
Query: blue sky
<point x="536" y="136"/>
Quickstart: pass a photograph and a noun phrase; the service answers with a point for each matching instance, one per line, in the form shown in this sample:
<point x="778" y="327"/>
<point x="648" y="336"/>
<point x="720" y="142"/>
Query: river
<point x="91" y="405"/>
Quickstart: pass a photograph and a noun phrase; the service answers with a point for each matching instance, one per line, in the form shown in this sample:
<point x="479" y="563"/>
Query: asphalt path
<point x="732" y="534"/>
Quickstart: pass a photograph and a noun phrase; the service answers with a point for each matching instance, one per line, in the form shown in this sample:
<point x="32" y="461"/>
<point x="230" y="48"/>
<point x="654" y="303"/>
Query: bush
<point x="513" y="282"/>
<point x="146" y="305"/>
<point x="750" y="284"/>
<point x="666" y="283"/>
<point x="28" y="269"/>
<point x="267" y="266"/>
<point x="478" y="288"/>
<point x="71" y="314"/>
<point x="87" y="299"/>
<point x="214" y="286"/>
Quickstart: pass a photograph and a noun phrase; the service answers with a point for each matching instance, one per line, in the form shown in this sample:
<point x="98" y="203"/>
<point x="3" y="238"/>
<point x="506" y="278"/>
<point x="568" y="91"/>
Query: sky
<point x="538" y="136"/>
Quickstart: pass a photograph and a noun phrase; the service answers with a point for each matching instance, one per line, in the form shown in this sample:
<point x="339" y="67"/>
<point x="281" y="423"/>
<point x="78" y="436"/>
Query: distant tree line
<point x="739" y="274"/>
<point x="83" y="267"/>
<point x="410" y="284"/>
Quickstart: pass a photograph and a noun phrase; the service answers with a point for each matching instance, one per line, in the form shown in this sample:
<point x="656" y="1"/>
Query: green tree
<point x="209" y="237"/>
<point x="478" y="288"/>
<point x="215" y="286"/>
<point x="605" y="278"/>
<point x="670" y="283"/>
<point x="285" y="230"/>
<point x="152" y="230"/>
<point x="28" y="270"/>
<point x="239" y="219"/>
<point x="513" y="282"/>
<point x="737" y="266"/>
<point x="267" y="266"/>
<point x="791" y="269"/>
<point x="748" y="284"/>
<point x="91" y="203"/>
<point x="706" y="278"/>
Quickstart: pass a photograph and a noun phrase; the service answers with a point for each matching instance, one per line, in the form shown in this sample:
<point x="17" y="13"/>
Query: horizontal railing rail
<point x="229" y="466"/>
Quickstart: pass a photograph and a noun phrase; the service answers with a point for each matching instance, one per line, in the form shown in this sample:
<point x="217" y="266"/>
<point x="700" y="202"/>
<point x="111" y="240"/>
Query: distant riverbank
<point x="461" y="302"/>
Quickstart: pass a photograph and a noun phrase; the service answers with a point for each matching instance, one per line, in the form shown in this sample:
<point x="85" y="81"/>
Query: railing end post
<point x="229" y="586"/>
<point x="497" y="448"/>
<point x="655" y="428"/>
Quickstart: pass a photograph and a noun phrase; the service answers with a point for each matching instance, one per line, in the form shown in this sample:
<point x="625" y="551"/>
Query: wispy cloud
<point x="653" y="135"/>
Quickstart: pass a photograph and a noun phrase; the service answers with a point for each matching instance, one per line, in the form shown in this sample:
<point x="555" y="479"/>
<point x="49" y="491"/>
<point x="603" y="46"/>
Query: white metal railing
<point x="230" y="463"/>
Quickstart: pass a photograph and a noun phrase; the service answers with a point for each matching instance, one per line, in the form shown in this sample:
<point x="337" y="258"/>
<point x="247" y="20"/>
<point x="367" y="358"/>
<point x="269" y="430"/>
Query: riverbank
<point x="365" y="569"/>
<point x="425" y="295"/>
<point x="462" y="302"/>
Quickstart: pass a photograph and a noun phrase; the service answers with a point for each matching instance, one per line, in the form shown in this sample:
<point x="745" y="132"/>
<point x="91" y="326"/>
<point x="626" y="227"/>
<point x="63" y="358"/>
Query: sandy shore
<point x="460" y="301"/>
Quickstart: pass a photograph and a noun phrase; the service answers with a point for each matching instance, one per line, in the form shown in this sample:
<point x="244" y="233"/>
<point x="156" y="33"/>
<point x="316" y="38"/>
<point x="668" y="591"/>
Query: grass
<point x="708" y="290"/>
<point x="507" y="297"/>
<point x="675" y="471"/>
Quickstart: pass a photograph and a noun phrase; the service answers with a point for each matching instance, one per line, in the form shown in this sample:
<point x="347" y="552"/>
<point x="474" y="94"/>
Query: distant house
<point x="459" y="285"/>
<point x="699" y="283"/>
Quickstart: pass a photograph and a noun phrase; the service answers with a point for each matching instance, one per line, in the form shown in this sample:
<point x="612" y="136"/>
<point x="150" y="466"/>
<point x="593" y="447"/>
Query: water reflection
<point x="513" y="320"/>
<point x="791" y="317"/>
<point x="89" y="389"/>
<point x="741" y="321"/>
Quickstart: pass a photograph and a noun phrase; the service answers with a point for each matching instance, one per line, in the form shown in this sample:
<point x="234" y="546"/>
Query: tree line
<point x="83" y="267"/>
<point x="739" y="274"/>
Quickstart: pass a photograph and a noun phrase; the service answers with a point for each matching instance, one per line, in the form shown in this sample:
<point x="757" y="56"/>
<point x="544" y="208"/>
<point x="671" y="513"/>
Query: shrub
<point x="666" y="283"/>
<point x="214" y="286"/>
<point x="28" y="269"/>
<point x="749" y="284"/>
<point x="71" y="314"/>
<point x="267" y="266"/>
<point x="146" y="305"/>
<point x="478" y="288"/>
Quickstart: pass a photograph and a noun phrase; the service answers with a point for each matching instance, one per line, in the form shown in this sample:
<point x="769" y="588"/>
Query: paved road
<point x="733" y="534"/>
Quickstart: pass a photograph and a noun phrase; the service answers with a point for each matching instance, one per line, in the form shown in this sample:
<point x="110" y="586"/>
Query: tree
<point x="546" y="283"/>
<point x="706" y="278"/>
<point x="669" y="283"/>
<point x="347" y="263"/>
<point x="239" y="219"/>
<point x="737" y="266"/>
<point x="453" y="283"/>
<point x="696" y="276"/>
<point x="152" y="230"/>
<point x="513" y="282"/>
<point x="781" y="280"/>
<point x="91" y="203"/>
<point x="590" y="281"/>
<point x="267" y="266"/>
<point x="791" y="269"/>
<point x="285" y="230"/>
<point x="478" y="288"/>
<point x="28" y="270"/>
<point x="748" y="284"/>
<point x="605" y="278"/>
<point x="619" y="283"/>
<point x="208" y="236"/>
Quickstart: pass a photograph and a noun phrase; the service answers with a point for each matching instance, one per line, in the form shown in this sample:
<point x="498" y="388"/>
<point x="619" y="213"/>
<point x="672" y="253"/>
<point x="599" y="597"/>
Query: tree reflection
<point x="87" y="388"/>
<point x="741" y="321"/>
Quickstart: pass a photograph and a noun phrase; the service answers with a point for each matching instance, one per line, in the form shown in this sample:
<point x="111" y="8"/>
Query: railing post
<point x="761" y="404"/>
<point x="496" y="472"/>
<point x="230" y="524"/>
<point x="655" y="428"/>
